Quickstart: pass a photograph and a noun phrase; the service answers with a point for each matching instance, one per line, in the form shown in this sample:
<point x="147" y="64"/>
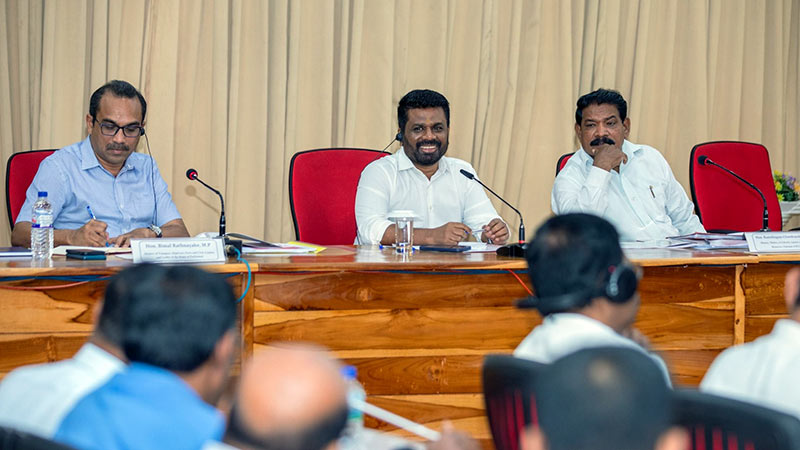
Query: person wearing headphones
<point x="447" y="205"/>
<point x="102" y="191"/>
<point x="764" y="371"/>
<point x="585" y="290"/>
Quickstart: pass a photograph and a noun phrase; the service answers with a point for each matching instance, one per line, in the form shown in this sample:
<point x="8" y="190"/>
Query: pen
<point x="651" y="191"/>
<point x="91" y="214"/>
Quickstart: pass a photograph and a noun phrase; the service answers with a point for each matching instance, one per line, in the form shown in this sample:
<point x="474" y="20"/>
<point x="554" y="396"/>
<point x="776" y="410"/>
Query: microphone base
<point x="230" y="245"/>
<point x="512" y="250"/>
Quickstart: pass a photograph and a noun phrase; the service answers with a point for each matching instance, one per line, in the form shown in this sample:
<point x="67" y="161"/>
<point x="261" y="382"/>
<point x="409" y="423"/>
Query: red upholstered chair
<point x="724" y="203"/>
<point x="717" y="423"/>
<point x="322" y="193"/>
<point x="562" y="161"/>
<point x="508" y="394"/>
<point x="20" y="170"/>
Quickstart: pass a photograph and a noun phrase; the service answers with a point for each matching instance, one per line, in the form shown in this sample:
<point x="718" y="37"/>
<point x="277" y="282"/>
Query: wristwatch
<point x="155" y="229"/>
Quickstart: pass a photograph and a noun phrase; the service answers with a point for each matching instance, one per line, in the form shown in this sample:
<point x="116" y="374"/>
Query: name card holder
<point x="178" y="250"/>
<point x="773" y="242"/>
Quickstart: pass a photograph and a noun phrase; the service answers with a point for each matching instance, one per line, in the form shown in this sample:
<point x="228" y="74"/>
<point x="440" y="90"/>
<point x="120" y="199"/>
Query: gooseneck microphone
<point x="192" y="175"/>
<point x="704" y="160"/>
<point x="517" y="250"/>
<point x="397" y="137"/>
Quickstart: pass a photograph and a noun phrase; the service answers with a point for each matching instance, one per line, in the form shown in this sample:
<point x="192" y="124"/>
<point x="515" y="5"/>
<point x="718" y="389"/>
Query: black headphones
<point x="620" y="286"/>
<point x="399" y="137"/>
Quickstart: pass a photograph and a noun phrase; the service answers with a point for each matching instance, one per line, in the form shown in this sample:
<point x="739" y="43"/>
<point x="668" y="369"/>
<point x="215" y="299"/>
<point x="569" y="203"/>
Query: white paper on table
<point x="61" y="250"/>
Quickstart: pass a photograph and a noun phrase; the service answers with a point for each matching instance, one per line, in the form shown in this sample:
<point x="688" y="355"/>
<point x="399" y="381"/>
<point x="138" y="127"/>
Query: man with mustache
<point x="630" y="185"/>
<point x="102" y="191"/>
<point x="448" y="206"/>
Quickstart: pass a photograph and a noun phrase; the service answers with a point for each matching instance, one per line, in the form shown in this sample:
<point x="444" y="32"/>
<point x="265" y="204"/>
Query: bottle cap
<point x="349" y="372"/>
<point x="42" y="193"/>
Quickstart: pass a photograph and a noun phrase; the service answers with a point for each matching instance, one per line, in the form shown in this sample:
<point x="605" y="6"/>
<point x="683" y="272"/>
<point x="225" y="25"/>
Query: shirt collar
<point x="89" y="159"/>
<point x="787" y="327"/>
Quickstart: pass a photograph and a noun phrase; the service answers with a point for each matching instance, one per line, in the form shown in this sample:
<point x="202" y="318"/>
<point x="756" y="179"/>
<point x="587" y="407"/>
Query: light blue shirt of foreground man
<point x="179" y="334"/>
<point x="104" y="176"/>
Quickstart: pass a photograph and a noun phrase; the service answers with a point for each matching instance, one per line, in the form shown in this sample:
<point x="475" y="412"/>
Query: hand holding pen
<point x="93" y="233"/>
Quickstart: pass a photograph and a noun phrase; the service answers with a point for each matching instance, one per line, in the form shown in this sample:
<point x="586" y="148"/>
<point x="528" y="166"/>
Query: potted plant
<point x="788" y="190"/>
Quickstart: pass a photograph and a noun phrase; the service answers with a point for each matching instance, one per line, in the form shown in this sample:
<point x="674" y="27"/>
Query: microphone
<point x="517" y="250"/>
<point x="192" y="175"/>
<point x="704" y="160"/>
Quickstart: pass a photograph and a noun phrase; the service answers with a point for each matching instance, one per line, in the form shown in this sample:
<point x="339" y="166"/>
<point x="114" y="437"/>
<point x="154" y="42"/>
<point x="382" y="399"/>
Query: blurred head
<point x="115" y="122"/>
<point x="112" y="312"/>
<point x="182" y="319"/>
<point x="290" y="398"/>
<point x="571" y="259"/>
<point x="604" y="399"/>
<point x="423" y="117"/>
<point x="601" y="119"/>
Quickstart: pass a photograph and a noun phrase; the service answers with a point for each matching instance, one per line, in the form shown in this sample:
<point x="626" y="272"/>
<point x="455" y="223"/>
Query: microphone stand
<point x="230" y="244"/>
<point x="705" y="160"/>
<point x="514" y="250"/>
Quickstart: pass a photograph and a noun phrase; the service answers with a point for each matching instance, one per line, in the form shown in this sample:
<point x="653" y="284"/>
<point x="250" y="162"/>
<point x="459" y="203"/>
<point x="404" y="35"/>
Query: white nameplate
<point x="773" y="242"/>
<point x="178" y="250"/>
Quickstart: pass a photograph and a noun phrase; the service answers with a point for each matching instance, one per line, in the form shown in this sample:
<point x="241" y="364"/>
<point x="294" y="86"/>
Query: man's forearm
<point x="21" y="236"/>
<point x="174" y="228"/>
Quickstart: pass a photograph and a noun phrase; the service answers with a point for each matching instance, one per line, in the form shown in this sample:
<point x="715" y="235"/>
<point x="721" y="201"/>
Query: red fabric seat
<point x="724" y="203"/>
<point x="508" y="394"/>
<point x="20" y="170"/>
<point x="562" y="161"/>
<point x="322" y="193"/>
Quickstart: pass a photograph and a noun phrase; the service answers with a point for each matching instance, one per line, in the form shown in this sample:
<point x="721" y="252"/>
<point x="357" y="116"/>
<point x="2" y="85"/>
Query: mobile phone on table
<point x="444" y="248"/>
<point x="85" y="254"/>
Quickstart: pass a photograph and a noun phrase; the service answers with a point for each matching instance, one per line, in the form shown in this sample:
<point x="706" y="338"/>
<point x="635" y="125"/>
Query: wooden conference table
<point x="417" y="327"/>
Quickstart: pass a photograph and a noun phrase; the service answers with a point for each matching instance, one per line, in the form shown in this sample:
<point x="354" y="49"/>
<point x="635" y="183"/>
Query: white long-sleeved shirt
<point x="36" y="398"/>
<point x="393" y="183"/>
<point x="643" y="200"/>
<point x="764" y="371"/>
<point x="564" y="333"/>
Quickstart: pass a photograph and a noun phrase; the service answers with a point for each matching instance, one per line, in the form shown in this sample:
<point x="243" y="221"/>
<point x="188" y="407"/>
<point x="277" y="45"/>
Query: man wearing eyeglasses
<point x="102" y="191"/>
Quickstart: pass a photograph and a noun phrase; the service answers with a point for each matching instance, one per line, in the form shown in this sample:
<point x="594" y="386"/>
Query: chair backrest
<point x="724" y="203"/>
<point x="322" y="193"/>
<point x="562" y="161"/>
<point x="718" y="423"/>
<point x="20" y="170"/>
<point x="11" y="439"/>
<point x="508" y="395"/>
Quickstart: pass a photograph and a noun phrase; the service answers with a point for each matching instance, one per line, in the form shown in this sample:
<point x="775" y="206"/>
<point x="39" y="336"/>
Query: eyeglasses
<point x="129" y="131"/>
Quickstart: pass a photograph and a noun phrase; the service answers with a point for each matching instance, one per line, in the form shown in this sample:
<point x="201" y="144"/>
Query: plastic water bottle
<point x="352" y="434"/>
<point x="42" y="228"/>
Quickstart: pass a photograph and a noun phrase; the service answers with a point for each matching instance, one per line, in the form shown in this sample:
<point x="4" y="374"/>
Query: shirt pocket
<point x="655" y="200"/>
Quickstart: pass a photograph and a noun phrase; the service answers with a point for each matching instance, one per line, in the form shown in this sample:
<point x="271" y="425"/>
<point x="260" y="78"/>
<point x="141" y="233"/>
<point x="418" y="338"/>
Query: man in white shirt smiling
<point x="630" y="185"/>
<point x="764" y="371"/>
<point x="419" y="178"/>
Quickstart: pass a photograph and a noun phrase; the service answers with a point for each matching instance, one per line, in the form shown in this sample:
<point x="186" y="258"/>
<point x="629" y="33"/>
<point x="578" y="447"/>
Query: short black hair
<point x="602" y="97"/>
<point x="120" y="89"/>
<point x="603" y="399"/>
<point x="109" y="323"/>
<point x="572" y="253"/>
<point x="316" y="436"/>
<point x="175" y="315"/>
<point x="421" y="99"/>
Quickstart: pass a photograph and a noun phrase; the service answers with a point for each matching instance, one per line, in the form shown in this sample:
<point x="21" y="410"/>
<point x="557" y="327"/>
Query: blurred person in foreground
<point x="179" y="336"/>
<point x="607" y="398"/>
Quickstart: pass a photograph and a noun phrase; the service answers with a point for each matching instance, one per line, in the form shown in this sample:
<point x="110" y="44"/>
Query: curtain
<point x="235" y="88"/>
